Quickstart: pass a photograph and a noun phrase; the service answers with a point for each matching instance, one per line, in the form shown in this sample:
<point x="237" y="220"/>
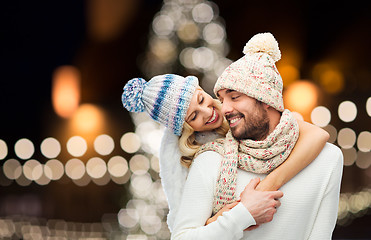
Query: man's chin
<point x="238" y="135"/>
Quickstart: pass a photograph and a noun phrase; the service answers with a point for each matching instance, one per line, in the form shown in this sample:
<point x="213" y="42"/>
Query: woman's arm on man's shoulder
<point x="310" y="143"/>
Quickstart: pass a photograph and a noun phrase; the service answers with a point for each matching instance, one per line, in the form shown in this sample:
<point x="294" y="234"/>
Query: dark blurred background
<point x="94" y="47"/>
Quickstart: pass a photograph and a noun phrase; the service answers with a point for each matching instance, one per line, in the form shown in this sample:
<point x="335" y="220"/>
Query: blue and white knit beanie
<point x="166" y="98"/>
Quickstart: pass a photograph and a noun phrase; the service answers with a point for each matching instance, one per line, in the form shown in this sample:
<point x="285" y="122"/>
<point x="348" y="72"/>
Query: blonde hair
<point x="188" y="145"/>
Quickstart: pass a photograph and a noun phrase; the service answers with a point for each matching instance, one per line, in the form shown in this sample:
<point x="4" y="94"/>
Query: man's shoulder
<point x="331" y="155"/>
<point x="331" y="150"/>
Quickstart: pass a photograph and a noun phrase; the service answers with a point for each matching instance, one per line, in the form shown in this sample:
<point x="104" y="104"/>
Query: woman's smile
<point x="204" y="113"/>
<point x="214" y="117"/>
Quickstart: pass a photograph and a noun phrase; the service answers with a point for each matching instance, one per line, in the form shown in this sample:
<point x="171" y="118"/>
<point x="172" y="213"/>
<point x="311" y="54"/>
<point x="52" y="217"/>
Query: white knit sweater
<point x="308" y="211"/>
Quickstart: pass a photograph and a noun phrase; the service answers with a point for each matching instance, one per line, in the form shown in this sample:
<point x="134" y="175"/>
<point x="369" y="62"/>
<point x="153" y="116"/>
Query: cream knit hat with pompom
<point x="255" y="74"/>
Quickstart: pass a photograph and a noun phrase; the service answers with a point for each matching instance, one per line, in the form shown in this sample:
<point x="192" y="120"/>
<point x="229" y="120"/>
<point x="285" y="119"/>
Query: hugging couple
<point x="240" y="166"/>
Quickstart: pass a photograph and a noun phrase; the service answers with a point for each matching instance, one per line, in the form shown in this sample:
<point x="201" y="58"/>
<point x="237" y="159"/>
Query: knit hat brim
<point x="237" y="77"/>
<point x="255" y="74"/>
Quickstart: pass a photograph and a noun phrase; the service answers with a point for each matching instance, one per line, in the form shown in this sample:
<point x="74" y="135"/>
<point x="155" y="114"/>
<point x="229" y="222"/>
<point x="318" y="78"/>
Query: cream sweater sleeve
<point x="196" y="205"/>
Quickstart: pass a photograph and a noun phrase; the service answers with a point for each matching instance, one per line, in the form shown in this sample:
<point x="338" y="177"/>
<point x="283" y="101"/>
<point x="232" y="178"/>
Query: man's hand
<point x="261" y="205"/>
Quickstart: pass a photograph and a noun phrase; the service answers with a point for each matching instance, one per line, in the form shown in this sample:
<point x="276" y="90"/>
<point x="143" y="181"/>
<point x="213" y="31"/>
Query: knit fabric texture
<point x="249" y="155"/>
<point x="255" y="74"/>
<point x="166" y="98"/>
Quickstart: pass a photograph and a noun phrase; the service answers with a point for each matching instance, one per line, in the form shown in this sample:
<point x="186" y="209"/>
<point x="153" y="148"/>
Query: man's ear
<point x="266" y="106"/>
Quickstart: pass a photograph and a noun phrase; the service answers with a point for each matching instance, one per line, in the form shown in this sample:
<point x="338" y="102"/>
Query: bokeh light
<point x="128" y="218"/>
<point x="104" y="144"/>
<point x="32" y="169"/>
<point x="150" y="224"/>
<point x="202" y="13"/>
<point x="203" y="57"/>
<point x="333" y="133"/>
<point x="66" y="90"/>
<point x="141" y="185"/>
<point x="23" y="181"/>
<point x="50" y="147"/>
<point x="77" y="146"/>
<point x="289" y="74"/>
<point x="3" y="149"/>
<point x="53" y="169"/>
<point x="368" y="106"/>
<point x="188" y="32"/>
<point x="213" y="33"/>
<point x="332" y="81"/>
<point x="106" y="20"/>
<point x="364" y="141"/>
<point x="163" y="49"/>
<point x="83" y="181"/>
<point x="12" y="169"/>
<point x="117" y="166"/>
<point x="363" y="160"/>
<point x="75" y="169"/>
<point x="329" y="77"/>
<point x="347" y="111"/>
<point x="155" y="164"/>
<point x="301" y="97"/>
<point x="43" y="179"/>
<point x="87" y="119"/>
<point x="346" y="138"/>
<point x="104" y="180"/>
<point x="130" y="142"/>
<point x="24" y="148"/>
<point x="96" y="167"/>
<point x="350" y="156"/>
<point x="139" y="164"/>
<point x="321" y="116"/>
<point x="121" y="180"/>
<point x="163" y="25"/>
<point x="186" y="58"/>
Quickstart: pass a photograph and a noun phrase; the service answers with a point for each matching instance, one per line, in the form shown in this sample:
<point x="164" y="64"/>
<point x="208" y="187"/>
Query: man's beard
<point x="256" y="125"/>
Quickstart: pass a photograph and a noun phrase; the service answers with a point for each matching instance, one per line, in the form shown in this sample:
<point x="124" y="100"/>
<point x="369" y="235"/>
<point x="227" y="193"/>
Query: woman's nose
<point x="207" y="109"/>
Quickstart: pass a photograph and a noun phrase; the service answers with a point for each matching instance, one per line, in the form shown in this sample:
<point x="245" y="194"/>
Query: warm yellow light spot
<point x="107" y="19"/>
<point x="329" y="77"/>
<point x="332" y="81"/>
<point x="188" y="32"/>
<point x="66" y="90"/>
<point x="87" y="119"/>
<point x="289" y="74"/>
<point x="163" y="49"/>
<point x="301" y="97"/>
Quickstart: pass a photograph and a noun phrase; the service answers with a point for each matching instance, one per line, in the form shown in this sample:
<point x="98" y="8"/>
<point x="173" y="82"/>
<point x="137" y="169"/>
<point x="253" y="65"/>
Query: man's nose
<point x="226" y="108"/>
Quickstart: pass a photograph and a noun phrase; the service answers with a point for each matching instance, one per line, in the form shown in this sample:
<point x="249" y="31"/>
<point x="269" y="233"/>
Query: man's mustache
<point x="233" y="115"/>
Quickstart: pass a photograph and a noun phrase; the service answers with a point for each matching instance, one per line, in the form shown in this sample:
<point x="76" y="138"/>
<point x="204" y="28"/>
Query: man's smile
<point x="234" y="120"/>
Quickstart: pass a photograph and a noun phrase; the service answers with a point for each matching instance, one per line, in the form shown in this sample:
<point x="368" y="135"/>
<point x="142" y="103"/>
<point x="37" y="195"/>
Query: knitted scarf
<point x="253" y="156"/>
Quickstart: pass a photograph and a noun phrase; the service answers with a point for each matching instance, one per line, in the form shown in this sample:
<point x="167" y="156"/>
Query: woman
<point x="193" y="118"/>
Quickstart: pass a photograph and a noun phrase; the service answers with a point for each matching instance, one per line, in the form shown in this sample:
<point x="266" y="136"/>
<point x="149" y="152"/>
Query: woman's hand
<point x="226" y="208"/>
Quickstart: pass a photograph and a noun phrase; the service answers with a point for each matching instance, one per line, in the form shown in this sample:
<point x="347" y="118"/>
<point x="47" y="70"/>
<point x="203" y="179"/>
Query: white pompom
<point x="263" y="42"/>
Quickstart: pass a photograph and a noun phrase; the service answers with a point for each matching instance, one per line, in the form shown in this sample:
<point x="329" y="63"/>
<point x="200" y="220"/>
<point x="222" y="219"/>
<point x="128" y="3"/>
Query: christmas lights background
<point x="75" y="164"/>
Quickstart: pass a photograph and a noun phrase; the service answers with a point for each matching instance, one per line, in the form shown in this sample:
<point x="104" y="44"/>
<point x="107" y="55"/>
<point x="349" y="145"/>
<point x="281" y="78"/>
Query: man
<point x="251" y="92"/>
